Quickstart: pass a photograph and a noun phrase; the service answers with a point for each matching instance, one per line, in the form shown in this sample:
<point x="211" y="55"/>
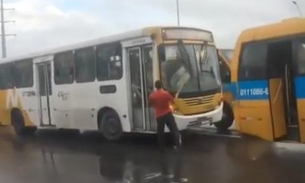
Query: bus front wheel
<point x="19" y="125"/>
<point x="227" y="118"/>
<point x="110" y="125"/>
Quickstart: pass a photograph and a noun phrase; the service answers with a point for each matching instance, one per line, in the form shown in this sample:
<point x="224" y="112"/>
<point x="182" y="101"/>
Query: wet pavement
<point x="68" y="157"/>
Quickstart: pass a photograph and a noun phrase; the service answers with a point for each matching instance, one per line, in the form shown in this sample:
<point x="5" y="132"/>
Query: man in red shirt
<point x="160" y="100"/>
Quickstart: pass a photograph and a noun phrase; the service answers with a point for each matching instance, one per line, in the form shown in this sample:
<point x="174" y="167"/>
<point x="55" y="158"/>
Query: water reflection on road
<point x="61" y="156"/>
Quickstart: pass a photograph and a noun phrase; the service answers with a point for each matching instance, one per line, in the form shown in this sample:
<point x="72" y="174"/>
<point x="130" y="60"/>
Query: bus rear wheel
<point x="227" y="118"/>
<point x="19" y="125"/>
<point x="110" y="125"/>
<point x="18" y="122"/>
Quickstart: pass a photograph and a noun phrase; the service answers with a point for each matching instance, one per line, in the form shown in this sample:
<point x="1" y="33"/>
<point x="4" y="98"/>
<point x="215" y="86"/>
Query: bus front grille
<point x="199" y="100"/>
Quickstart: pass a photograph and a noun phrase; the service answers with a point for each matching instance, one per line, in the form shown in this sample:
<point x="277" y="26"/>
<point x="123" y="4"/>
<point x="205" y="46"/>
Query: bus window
<point x="147" y="54"/>
<point x="63" y="68"/>
<point x="225" y="73"/>
<point x="301" y="57"/>
<point x="85" y="65"/>
<point x="253" y="62"/>
<point x="23" y="74"/>
<point x="109" y="62"/>
<point x="6" y="76"/>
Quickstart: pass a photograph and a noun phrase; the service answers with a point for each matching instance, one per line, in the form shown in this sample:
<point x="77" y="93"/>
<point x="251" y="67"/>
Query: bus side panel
<point x="300" y="95"/>
<point x="255" y="119"/>
<point x="25" y="100"/>
<point x="28" y="104"/>
<point x="253" y="109"/>
<point x="85" y="99"/>
<point x="5" y="116"/>
<point x="62" y="103"/>
<point x="228" y="92"/>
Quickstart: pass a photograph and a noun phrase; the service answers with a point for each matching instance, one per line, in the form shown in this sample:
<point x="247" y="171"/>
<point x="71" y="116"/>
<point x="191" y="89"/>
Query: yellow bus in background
<point x="268" y="72"/>
<point x="224" y="56"/>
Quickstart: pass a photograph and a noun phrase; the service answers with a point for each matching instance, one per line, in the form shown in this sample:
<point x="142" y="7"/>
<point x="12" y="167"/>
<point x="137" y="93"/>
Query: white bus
<point x="104" y="84"/>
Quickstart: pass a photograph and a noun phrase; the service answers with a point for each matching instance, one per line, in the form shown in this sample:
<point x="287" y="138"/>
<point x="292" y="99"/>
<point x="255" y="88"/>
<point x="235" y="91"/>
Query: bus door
<point x="44" y="92"/>
<point x="299" y="57"/>
<point x="147" y="52"/>
<point x="260" y="95"/>
<point x="278" y="61"/>
<point x="141" y="85"/>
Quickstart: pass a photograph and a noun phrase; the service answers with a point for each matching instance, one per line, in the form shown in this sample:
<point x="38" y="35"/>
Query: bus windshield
<point x="190" y="68"/>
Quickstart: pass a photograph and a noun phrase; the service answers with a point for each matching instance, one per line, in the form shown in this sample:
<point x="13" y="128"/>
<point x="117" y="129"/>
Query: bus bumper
<point x="183" y="122"/>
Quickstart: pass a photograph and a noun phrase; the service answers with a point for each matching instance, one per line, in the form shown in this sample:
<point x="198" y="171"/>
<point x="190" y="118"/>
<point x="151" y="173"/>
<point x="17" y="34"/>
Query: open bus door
<point x="277" y="55"/>
<point x="259" y="97"/>
<point x="299" y="56"/>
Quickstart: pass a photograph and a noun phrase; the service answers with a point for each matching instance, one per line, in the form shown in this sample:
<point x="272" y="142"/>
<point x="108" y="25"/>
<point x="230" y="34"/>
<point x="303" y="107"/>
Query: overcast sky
<point x="42" y="24"/>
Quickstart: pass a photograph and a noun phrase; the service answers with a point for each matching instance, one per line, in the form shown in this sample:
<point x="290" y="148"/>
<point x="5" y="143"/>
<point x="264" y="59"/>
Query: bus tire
<point x="110" y="125"/>
<point x="18" y="122"/>
<point x="227" y="118"/>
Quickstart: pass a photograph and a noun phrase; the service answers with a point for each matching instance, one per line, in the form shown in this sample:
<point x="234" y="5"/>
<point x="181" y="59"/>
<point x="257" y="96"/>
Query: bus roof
<point x="147" y="31"/>
<point x="287" y="27"/>
<point x="111" y="38"/>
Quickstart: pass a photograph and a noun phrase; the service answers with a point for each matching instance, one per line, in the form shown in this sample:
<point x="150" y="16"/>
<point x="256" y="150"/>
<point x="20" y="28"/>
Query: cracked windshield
<point x="152" y="91"/>
<point x="190" y="68"/>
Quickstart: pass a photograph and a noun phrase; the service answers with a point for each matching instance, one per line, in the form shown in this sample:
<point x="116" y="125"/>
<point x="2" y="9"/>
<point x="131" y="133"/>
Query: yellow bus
<point x="227" y="54"/>
<point x="225" y="74"/>
<point x="268" y="71"/>
<point x="104" y="84"/>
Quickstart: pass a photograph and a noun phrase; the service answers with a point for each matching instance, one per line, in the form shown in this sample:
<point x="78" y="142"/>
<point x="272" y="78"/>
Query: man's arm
<point x="170" y="97"/>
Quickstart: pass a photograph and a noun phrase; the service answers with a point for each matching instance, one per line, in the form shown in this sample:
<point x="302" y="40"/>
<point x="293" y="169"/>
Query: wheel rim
<point x="112" y="128"/>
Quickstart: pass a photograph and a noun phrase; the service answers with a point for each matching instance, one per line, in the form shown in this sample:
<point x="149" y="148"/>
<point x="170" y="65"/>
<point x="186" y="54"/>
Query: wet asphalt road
<point x="67" y="157"/>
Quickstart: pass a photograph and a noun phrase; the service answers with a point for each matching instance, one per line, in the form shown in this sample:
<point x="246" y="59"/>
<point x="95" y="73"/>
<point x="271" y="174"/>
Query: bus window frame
<point x="76" y="71"/>
<point x="30" y="62"/>
<point x="11" y="76"/>
<point x="55" y="68"/>
<point x="295" y="43"/>
<point x="240" y="61"/>
<point x="293" y="38"/>
<point x="116" y="47"/>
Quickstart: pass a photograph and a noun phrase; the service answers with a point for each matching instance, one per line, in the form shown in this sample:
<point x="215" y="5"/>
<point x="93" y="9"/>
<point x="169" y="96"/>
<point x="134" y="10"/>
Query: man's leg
<point x="172" y="126"/>
<point x="160" y="132"/>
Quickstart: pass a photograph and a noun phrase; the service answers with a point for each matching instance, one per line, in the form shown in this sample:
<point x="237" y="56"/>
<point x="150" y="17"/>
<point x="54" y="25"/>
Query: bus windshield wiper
<point x="203" y="58"/>
<point x="185" y="57"/>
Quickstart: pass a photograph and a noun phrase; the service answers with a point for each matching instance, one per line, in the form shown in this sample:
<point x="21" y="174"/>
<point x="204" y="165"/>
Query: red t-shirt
<point x="160" y="100"/>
